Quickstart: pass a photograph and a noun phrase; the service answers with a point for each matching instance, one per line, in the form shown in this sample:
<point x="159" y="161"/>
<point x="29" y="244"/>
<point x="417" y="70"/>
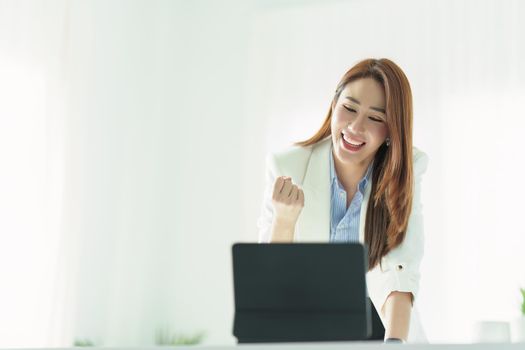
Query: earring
<point x="387" y="141"/>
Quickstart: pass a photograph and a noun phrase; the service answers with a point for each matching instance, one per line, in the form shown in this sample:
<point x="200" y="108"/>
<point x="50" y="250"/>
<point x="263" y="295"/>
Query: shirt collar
<point x="362" y="183"/>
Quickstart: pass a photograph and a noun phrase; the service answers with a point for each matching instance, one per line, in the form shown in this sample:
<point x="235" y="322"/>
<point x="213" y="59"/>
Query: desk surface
<point x="364" y="346"/>
<point x="326" y="346"/>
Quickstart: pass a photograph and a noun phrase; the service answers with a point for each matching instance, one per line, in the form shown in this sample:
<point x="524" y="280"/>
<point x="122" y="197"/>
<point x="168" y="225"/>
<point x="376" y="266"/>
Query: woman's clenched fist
<point x="288" y="201"/>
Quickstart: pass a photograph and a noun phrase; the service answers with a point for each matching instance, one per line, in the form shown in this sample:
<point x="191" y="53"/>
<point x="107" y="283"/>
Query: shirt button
<point x="399" y="267"/>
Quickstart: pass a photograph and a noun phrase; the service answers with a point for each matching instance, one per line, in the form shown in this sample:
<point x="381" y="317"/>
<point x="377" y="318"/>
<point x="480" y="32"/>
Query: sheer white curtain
<point x="121" y="141"/>
<point x="32" y="115"/>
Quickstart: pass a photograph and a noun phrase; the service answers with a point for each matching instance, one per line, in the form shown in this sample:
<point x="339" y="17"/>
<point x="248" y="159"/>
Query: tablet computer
<point x="294" y="292"/>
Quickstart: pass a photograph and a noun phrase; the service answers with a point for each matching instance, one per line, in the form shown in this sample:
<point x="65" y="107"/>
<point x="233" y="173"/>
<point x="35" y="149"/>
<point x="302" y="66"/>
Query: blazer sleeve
<point x="399" y="269"/>
<point x="264" y="223"/>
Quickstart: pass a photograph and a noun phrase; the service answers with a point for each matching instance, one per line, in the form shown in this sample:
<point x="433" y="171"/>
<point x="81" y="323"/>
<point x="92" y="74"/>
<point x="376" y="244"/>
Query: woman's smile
<point x="351" y="144"/>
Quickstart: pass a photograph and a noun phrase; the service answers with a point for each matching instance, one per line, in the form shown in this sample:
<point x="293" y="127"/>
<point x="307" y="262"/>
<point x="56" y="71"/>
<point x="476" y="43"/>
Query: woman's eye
<point x="350" y="109"/>
<point x="376" y="119"/>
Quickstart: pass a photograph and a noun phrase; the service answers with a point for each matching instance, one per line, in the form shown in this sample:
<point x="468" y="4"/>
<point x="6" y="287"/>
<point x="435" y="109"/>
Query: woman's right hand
<point x="288" y="201"/>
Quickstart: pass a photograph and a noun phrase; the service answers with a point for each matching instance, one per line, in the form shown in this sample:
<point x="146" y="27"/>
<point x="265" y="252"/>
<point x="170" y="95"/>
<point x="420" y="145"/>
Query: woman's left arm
<point x="396" y="315"/>
<point x="393" y="285"/>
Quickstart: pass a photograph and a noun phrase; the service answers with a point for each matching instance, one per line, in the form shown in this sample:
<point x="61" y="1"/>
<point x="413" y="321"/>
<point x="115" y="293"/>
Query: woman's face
<point x="359" y="122"/>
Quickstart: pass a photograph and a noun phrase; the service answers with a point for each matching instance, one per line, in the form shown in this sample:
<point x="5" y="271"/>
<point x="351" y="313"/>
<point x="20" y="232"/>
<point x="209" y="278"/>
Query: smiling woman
<point x="358" y="179"/>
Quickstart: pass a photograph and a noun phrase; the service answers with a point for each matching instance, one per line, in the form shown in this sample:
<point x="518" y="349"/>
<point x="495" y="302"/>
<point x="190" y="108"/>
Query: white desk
<point x="326" y="346"/>
<point x="366" y="346"/>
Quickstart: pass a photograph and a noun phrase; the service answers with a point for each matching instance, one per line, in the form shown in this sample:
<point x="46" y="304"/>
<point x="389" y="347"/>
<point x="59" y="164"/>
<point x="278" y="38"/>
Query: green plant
<point x="83" y="342"/>
<point x="523" y="301"/>
<point x="165" y="337"/>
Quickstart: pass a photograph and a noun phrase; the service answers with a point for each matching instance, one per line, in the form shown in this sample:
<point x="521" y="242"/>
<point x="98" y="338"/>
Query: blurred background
<point x="132" y="144"/>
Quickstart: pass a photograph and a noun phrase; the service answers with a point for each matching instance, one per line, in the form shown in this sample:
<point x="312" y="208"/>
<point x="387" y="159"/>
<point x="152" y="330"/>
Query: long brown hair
<point x="392" y="181"/>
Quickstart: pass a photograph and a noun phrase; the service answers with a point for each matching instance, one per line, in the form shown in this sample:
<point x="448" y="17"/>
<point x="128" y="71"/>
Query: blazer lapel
<point x="313" y="224"/>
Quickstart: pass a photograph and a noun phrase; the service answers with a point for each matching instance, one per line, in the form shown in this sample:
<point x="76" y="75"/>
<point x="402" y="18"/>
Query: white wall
<point x="148" y="161"/>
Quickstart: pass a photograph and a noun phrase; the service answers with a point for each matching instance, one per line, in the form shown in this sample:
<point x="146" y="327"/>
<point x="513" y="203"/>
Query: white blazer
<point x="309" y="168"/>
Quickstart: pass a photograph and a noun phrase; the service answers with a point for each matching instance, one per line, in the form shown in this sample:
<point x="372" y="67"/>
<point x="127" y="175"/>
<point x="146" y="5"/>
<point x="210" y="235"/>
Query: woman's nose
<point x="357" y="125"/>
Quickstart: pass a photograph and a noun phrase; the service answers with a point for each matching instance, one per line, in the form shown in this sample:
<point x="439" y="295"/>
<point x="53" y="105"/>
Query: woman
<point x="358" y="179"/>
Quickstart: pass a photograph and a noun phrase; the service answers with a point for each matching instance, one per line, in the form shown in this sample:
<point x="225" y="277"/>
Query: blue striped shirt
<point x="344" y="222"/>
